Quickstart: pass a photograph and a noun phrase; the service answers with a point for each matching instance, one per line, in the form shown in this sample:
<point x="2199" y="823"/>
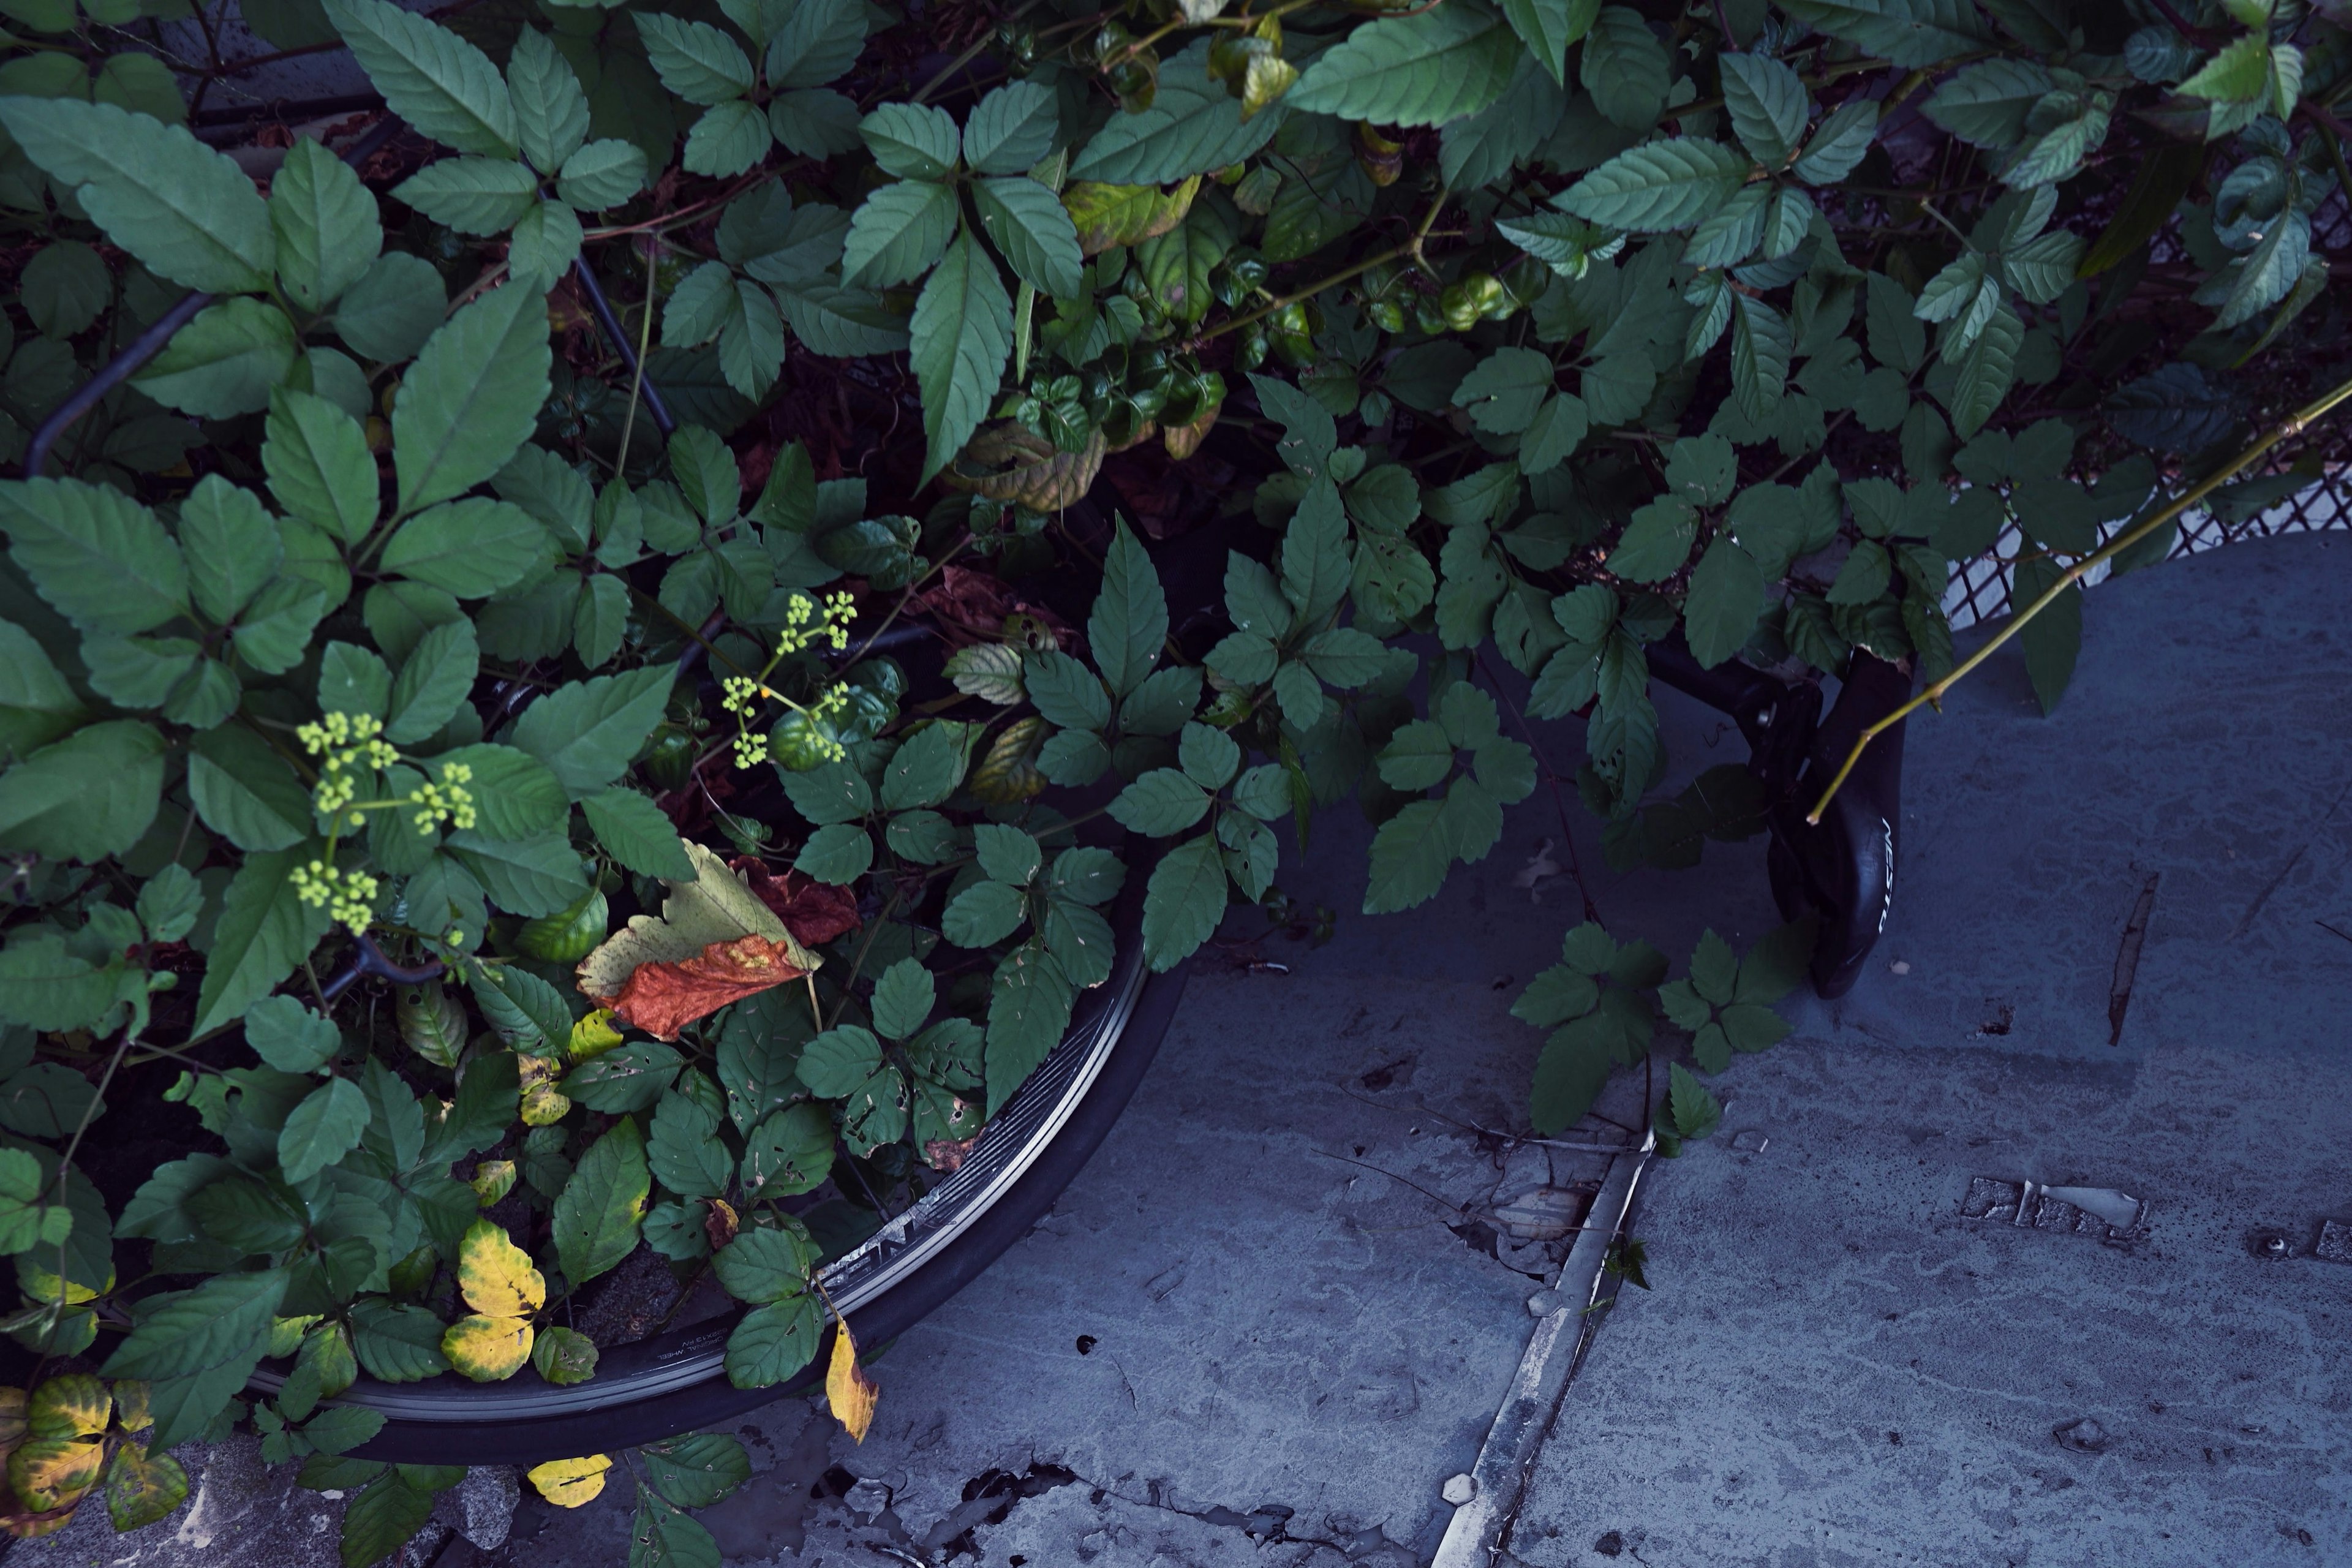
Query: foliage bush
<point x="379" y="646"/>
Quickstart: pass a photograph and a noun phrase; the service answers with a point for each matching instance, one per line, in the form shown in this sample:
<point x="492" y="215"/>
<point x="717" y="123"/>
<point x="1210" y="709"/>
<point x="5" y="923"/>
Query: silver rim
<point x="1008" y="1147"/>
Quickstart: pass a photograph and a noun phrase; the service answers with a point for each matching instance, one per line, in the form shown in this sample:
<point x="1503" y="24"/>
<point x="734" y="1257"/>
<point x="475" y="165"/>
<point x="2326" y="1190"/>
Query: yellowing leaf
<point x="74" y="1405"/>
<point x="47" y="1473"/>
<point x="488" y="1349"/>
<point x="43" y="1286"/>
<point x="1111" y="215"/>
<point x="568" y="1483"/>
<point x="1026" y="469"/>
<point x="140" y="1491"/>
<point x="847" y="1389"/>
<point x="496" y="1275"/>
<point x="593" y="1035"/>
<point x="131" y="1405"/>
<point x="12" y="1418"/>
<point x="493" y="1179"/>
<point x="286" y="1334"/>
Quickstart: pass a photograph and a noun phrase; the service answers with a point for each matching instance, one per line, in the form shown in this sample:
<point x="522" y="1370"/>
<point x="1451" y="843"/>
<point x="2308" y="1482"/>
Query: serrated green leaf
<point x="1726" y="594"/>
<point x="1184" y="902"/>
<point x="1658" y="187"/>
<point x="586" y="733"/>
<point x="318" y="465"/>
<point x="326" y="225"/>
<point x="197" y="1330"/>
<point x="321" y="1130"/>
<point x="1986" y="372"/>
<point x="726" y="141"/>
<point x="896" y="235"/>
<point x="694" y="59"/>
<point x="184" y="210"/>
<point x="1549" y="27"/>
<point x="87" y="796"/>
<point x="473" y="394"/>
<point x="429" y="76"/>
<point x="1421" y="70"/>
<point x="1193" y="126"/>
<point x="550" y="112"/>
<point x="599" y="1211"/>
<point x="1760" y="346"/>
<point x="817" y="41"/>
<point x="225" y="362"/>
<point x="1767" y="103"/>
<point x="1656" y="543"/>
<point x="962" y="335"/>
<point x="1625" y="68"/>
<point x="472" y="196"/>
<point x="1011" y="129"/>
<point x="914" y="141"/>
<point x="601" y="173"/>
<point x="1033" y="232"/>
<point x="1908" y="33"/>
<point x="397" y="304"/>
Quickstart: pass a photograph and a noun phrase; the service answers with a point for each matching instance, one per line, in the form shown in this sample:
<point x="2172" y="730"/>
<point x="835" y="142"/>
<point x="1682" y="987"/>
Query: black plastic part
<point x="457" y="1441"/>
<point x="1842" y="872"/>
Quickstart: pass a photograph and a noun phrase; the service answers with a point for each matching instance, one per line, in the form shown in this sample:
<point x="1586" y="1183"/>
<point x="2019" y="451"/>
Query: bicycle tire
<point x="674" y="1383"/>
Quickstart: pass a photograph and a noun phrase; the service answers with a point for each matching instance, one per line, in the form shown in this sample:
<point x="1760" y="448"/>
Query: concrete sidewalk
<point x="1281" y="1306"/>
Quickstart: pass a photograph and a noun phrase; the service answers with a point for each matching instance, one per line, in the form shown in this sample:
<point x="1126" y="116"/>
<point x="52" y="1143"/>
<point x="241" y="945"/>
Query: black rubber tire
<point x="460" y="1440"/>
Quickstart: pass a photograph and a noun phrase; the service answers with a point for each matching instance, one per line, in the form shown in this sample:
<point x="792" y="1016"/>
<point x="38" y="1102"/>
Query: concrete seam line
<point x="1553" y="1352"/>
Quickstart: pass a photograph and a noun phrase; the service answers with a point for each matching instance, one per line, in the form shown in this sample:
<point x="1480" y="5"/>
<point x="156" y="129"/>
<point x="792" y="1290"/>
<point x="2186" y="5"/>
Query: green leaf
<point x="1129" y="620"/>
<point x="515" y="793"/>
<point x="837" y="1062"/>
<point x="896" y="234"/>
<point x="2052" y="639"/>
<point x="1694" y="1110"/>
<point x="470" y="548"/>
<point x="472" y="196"/>
<point x="433" y="683"/>
<point x="87" y="796"/>
<point x="1726" y="594"/>
<point x="321" y="1130"/>
<point x="1986" y="372"/>
<point x="963" y="336"/>
<point x="95" y="555"/>
<point x="2238" y="72"/>
<point x="36" y="704"/>
<point x="774" y="1342"/>
<point x="194" y="1331"/>
<point x="1656" y="543"/>
<point x="1908" y="33"/>
<point x="696" y="1471"/>
<point x="1767" y="103"/>
<point x="1549" y="27"/>
<point x="544" y="244"/>
<point x="326" y="225"/>
<point x="473" y="394"/>
<point x="837" y="854"/>
<point x="529" y="877"/>
<point x="1839" y="143"/>
<point x="385" y="1515"/>
<point x="1985" y="104"/>
<point x="393" y="308"/>
<point x="694" y="59"/>
<point x="1659" y="185"/>
<point x="63" y="288"/>
<point x="186" y="210"/>
<point x="1314" y="567"/>
<point x="289" y="1036"/>
<point x="1625" y="68"/>
<point x="550" y="112"/>
<point x="1760" y="346"/>
<point x="318" y="465"/>
<point x="817" y="41"/>
<point x="231" y="545"/>
<point x="598" y="1212"/>
<point x="1011" y="129"/>
<point x="429" y="76"/>
<point x="903" y="999"/>
<point x="1414" y="848"/>
<point x="684" y="1150"/>
<point x="225" y="362"/>
<point x="1162" y="802"/>
<point x="815" y="123"/>
<point x="246" y="792"/>
<point x="1031" y="230"/>
<point x="1571" y="1073"/>
<point x="601" y="174"/>
<point x="1505" y="390"/>
<point x="264" y="930"/>
<point x="982" y="915"/>
<point x="914" y="141"/>
<point x="633" y="830"/>
<point x="586" y="732"/>
<point x="1028" y="1009"/>
<point x="1193" y="126"/>
<point x="1421" y="70"/>
<point x="728" y="139"/>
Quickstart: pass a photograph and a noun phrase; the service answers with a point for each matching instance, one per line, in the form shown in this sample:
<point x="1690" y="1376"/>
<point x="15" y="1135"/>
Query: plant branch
<point x="2287" y="430"/>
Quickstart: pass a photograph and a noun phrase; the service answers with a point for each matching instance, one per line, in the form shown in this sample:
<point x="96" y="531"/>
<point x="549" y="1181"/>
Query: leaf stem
<point x="2288" y="429"/>
<point x="637" y="371"/>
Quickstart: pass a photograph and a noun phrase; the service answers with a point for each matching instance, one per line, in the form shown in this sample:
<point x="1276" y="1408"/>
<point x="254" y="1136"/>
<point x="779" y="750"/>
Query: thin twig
<point x="2287" y="430"/>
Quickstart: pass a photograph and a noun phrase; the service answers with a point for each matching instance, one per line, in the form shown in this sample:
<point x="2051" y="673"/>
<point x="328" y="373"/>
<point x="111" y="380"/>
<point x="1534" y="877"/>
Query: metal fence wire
<point x="1980" y="590"/>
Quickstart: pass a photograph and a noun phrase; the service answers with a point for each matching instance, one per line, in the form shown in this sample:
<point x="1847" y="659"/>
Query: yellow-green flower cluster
<point x="348" y="897"/>
<point x="447" y="801"/>
<point x="347" y="745"/>
<point x="741" y="694"/>
<point x="751" y="750"/>
<point x="806" y="620"/>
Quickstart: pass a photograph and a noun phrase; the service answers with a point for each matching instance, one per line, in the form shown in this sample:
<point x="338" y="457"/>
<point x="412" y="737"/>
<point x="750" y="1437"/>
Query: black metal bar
<point x="370" y="960"/>
<point x="612" y="325"/>
<point x="150" y="344"/>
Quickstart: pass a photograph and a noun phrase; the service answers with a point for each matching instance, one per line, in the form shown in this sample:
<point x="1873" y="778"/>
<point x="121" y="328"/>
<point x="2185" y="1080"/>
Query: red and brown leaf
<point x="812" y="910"/>
<point x="663" y="998"/>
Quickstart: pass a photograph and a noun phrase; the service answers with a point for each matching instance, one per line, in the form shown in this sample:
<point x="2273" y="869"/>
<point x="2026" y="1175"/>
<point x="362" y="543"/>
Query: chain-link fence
<point x="1980" y="590"/>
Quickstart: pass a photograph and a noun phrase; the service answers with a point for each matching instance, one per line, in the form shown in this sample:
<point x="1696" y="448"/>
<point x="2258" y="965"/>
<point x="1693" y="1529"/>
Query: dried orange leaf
<point x="847" y="1389"/>
<point x="568" y="1483"/>
<point x="716" y="943"/>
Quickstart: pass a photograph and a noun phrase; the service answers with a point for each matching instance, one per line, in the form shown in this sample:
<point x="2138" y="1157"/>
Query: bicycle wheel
<point x="674" y="1383"/>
